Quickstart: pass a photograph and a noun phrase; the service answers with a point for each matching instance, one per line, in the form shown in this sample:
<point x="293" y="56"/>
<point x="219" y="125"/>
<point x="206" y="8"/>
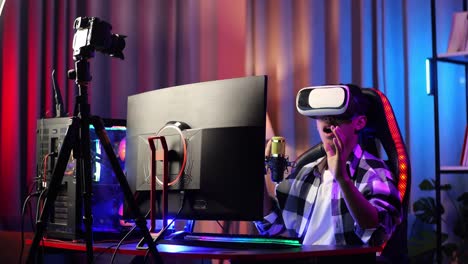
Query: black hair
<point x="358" y="103"/>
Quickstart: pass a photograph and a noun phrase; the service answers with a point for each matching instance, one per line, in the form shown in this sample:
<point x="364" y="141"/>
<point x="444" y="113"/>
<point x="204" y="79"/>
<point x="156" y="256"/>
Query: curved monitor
<point x="223" y="176"/>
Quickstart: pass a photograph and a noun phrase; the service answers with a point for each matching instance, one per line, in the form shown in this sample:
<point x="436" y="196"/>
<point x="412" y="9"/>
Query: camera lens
<point x="117" y="42"/>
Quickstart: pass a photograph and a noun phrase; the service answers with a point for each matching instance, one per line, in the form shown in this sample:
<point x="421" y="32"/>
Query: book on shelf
<point x="464" y="151"/>
<point x="458" y="41"/>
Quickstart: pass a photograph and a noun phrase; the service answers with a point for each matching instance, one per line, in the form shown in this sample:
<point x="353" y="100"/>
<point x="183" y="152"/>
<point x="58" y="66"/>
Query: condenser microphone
<point x="277" y="162"/>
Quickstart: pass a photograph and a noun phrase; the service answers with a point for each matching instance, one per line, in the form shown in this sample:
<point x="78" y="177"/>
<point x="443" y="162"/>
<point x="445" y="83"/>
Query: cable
<point x="22" y="226"/>
<point x="39" y="208"/>
<point x="43" y="184"/>
<point x="220" y="225"/>
<point x="125" y="237"/>
<point x="39" y="213"/>
<point x="120" y="243"/>
<point x="39" y="205"/>
<point x="161" y="233"/>
<point x="27" y="203"/>
<point x="111" y="246"/>
<point x="178" y="126"/>
<point x="33" y="185"/>
<point x="31" y="220"/>
<point x="44" y="167"/>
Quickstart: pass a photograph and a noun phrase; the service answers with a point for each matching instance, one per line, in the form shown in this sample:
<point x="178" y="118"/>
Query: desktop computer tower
<point x="65" y="221"/>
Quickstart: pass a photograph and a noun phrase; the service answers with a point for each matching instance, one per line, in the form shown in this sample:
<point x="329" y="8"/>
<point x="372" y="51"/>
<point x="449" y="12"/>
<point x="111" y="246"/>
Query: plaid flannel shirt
<point x="297" y="194"/>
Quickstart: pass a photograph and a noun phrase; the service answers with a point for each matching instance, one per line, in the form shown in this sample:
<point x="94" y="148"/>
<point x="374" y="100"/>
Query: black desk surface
<point x="194" y="252"/>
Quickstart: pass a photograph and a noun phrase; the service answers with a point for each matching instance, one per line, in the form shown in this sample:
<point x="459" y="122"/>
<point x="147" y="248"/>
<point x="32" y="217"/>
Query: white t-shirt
<point x="320" y="229"/>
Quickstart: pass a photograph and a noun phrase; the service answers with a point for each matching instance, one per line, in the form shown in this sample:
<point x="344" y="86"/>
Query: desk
<point x="317" y="254"/>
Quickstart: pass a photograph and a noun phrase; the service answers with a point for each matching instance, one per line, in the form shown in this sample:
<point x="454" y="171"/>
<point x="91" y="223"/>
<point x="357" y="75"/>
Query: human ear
<point x="360" y="122"/>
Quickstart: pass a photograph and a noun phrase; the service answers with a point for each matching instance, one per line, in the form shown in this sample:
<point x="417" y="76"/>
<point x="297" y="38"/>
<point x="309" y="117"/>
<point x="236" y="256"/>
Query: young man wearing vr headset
<point x="348" y="196"/>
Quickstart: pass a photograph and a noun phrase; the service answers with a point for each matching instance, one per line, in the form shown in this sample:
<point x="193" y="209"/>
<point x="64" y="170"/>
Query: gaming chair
<point x="382" y="131"/>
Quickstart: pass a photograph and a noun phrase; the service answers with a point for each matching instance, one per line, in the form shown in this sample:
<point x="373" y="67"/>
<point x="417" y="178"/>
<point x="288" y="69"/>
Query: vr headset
<point x="326" y="100"/>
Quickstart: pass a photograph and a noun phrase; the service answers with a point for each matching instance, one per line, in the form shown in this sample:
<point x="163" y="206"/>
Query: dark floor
<point x="10" y="246"/>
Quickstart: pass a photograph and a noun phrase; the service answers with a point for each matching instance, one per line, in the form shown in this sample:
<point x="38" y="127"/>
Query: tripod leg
<point x="128" y="195"/>
<point x="85" y="172"/>
<point x="54" y="187"/>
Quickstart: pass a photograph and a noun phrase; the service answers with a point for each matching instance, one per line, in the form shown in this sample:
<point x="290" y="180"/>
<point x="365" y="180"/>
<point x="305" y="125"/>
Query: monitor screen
<point x="225" y="139"/>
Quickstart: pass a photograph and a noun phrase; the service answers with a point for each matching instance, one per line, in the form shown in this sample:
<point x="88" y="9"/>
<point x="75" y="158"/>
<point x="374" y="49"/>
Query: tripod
<point x="77" y="139"/>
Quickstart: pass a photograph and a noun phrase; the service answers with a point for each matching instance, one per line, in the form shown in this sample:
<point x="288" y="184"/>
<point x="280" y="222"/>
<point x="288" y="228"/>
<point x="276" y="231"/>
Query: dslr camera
<point x="94" y="34"/>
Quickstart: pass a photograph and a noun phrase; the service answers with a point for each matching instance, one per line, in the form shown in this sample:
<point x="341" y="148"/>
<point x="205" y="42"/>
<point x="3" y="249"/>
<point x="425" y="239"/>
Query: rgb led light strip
<point x="400" y="147"/>
<point x="258" y="240"/>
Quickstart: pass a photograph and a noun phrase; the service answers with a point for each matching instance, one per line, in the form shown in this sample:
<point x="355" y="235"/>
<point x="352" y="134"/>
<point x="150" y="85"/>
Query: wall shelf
<point x="455" y="57"/>
<point x="453" y="169"/>
<point x="459" y="58"/>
